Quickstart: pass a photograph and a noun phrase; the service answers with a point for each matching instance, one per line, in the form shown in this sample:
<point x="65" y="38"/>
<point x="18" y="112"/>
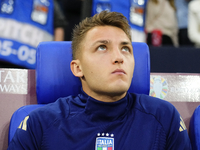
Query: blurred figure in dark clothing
<point x="182" y="18"/>
<point x="72" y="12"/>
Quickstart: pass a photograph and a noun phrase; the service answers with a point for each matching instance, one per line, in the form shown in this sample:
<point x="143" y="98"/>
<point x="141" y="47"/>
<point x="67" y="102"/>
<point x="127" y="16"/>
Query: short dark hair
<point x="104" y="18"/>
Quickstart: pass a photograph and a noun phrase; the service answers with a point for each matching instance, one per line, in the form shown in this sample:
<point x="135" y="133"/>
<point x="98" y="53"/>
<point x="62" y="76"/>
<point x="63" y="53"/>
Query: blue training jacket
<point x="136" y="122"/>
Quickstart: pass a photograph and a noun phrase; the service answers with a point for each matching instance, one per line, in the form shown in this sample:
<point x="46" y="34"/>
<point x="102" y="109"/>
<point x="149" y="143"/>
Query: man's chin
<point x="117" y="91"/>
<point x="120" y="86"/>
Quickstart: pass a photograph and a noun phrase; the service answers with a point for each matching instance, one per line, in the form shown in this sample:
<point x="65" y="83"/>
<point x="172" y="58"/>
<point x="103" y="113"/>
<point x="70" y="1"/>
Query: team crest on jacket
<point x="104" y="141"/>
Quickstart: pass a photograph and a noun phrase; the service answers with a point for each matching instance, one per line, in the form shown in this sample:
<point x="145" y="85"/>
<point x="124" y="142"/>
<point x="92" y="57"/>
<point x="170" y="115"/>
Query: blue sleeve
<point x="27" y="136"/>
<point x="176" y="134"/>
<point x="30" y="133"/>
<point x="177" y="138"/>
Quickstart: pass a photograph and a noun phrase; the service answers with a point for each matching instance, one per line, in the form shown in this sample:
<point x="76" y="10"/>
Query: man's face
<point x="106" y="63"/>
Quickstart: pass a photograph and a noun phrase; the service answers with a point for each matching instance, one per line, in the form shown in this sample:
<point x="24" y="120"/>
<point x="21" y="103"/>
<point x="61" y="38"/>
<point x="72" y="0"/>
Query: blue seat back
<point x="54" y="78"/>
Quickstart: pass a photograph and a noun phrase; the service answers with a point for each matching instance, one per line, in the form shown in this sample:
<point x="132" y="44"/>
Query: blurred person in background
<point x="194" y="22"/>
<point x="72" y="10"/>
<point x="182" y="18"/>
<point x="60" y="23"/>
<point x="161" y="23"/>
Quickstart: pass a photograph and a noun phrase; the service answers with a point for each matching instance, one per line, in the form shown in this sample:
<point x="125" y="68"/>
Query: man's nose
<point x="117" y="56"/>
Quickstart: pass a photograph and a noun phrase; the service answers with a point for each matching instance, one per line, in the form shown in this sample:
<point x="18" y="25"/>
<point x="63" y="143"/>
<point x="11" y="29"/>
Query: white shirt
<point x="194" y="22"/>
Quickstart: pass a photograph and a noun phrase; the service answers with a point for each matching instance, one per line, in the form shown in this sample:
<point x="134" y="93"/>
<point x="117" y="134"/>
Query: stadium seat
<point x="194" y="129"/>
<point x="54" y="78"/>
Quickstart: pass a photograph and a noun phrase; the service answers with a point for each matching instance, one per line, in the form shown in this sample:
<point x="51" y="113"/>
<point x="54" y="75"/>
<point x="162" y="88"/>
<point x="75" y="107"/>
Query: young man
<point x="104" y="115"/>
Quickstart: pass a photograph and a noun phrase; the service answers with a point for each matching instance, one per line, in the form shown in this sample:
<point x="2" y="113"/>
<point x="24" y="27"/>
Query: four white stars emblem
<point x="103" y="134"/>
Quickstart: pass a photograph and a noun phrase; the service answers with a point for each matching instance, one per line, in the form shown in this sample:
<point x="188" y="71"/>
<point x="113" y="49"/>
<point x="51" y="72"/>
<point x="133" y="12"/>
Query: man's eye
<point x="101" y="48"/>
<point x="126" y="49"/>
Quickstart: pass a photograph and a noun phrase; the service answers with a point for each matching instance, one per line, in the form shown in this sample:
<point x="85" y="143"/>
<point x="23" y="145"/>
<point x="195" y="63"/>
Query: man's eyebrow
<point x="126" y="43"/>
<point x="107" y="41"/>
<point x="101" y="41"/>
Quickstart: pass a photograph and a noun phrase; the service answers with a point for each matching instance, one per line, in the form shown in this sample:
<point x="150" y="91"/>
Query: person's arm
<point x="59" y="34"/>
<point x="28" y="135"/>
<point x="174" y="132"/>
<point x="59" y="23"/>
<point x="177" y="136"/>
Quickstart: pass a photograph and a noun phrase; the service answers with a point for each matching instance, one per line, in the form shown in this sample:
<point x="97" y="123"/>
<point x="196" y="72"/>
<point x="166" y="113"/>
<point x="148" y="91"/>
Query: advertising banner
<point x="23" y="24"/>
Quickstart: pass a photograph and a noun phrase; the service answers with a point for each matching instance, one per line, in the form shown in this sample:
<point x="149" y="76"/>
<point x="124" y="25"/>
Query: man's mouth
<point x="119" y="71"/>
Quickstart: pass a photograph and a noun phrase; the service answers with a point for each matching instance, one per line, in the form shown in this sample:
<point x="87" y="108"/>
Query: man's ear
<point x="76" y="68"/>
